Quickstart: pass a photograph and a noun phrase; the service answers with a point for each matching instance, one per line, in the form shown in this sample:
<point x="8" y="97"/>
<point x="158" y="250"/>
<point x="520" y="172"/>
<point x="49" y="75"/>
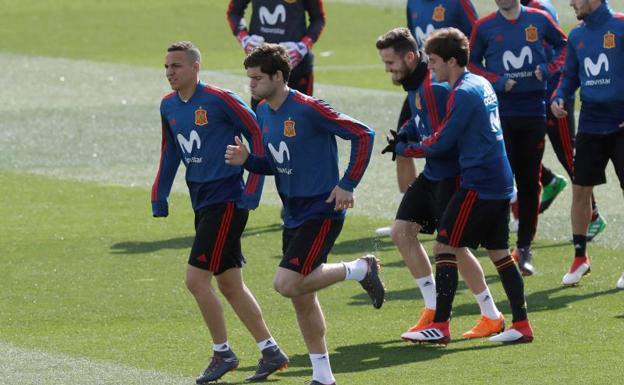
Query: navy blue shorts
<point x="472" y="222"/>
<point x="425" y="200"/>
<point x="217" y="244"/>
<point x="306" y="247"/>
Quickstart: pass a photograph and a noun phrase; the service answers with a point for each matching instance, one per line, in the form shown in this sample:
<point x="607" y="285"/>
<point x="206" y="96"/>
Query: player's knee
<point x="195" y="285"/>
<point x="285" y="288"/>
<point x="228" y="288"/>
<point x="401" y="230"/>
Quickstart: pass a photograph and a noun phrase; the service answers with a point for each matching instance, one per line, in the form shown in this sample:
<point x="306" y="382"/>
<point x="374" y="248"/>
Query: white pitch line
<point x="21" y="366"/>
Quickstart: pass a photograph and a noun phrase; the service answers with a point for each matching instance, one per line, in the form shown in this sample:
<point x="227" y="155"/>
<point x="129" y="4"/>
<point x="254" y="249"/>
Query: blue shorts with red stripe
<point x="472" y="222"/>
<point x="306" y="247"/>
<point x="217" y="244"/>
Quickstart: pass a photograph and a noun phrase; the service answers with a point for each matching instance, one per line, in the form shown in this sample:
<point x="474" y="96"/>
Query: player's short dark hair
<point x="448" y="43"/>
<point x="192" y="52"/>
<point x="400" y="39"/>
<point x="270" y="58"/>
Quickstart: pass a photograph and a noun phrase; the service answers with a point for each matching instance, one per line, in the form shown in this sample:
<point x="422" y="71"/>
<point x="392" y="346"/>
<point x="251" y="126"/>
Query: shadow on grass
<point x="186" y="242"/>
<point x="378" y="355"/>
<point x="361" y="245"/>
<point x="539" y="301"/>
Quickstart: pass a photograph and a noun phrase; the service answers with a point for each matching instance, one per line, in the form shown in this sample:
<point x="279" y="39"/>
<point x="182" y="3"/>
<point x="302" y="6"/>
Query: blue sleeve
<point x="569" y="80"/>
<point x="446" y="137"/>
<point x="258" y="165"/>
<point x="244" y="121"/>
<point x="316" y="22"/>
<point x="558" y="41"/>
<point x="167" y="168"/>
<point x="467" y="17"/>
<point x="360" y="135"/>
<point x="408" y="129"/>
<point x="478" y="45"/>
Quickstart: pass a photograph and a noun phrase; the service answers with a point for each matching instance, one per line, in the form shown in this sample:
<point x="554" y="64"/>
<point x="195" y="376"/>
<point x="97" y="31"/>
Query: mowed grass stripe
<point x="20" y="366"/>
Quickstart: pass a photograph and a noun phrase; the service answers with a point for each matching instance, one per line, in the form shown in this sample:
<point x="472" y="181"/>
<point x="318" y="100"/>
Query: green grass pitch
<point x="88" y="279"/>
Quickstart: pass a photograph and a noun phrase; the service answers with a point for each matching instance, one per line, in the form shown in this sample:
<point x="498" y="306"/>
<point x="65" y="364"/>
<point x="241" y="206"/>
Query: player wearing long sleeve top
<point x="424" y="16"/>
<point x="511" y="47"/>
<point x="198" y="122"/>
<point x="477" y="214"/>
<point x="282" y="22"/>
<point x="301" y="152"/>
<point x="595" y="63"/>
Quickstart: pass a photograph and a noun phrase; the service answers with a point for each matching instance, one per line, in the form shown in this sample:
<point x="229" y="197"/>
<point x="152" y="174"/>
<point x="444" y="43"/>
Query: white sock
<point x="356" y="270"/>
<point x="487" y="305"/>
<point x="223" y="347"/>
<point x="428" y="290"/>
<point x="269" y="342"/>
<point x="321" y="370"/>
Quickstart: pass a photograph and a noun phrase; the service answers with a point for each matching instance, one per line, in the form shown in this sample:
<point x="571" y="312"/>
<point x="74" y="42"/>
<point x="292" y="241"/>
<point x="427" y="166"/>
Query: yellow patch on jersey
<point x="417" y="102"/>
<point x="608" y="40"/>
<point x="289" y="128"/>
<point x="438" y="13"/>
<point x="201" y="118"/>
<point x="530" y="33"/>
<point x="290" y="1"/>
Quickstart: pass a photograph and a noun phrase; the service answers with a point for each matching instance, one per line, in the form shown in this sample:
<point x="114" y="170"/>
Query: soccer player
<point x="282" y="22"/>
<point x="595" y="63"/>
<point x="198" y="121"/>
<point x="478" y="213"/>
<point x="424" y="16"/>
<point x="561" y="135"/>
<point x="300" y="138"/>
<point x="427" y="196"/>
<point x="515" y="43"/>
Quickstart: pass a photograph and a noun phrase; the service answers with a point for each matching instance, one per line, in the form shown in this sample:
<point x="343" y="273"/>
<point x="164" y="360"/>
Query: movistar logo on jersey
<point x="280" y="155"/>
<point x="593" y="69"/>
<point x="421" y="35"/>
<point x="188" y="145"/>
<point x="271" y="18"/>
<point x="511" y="61"/>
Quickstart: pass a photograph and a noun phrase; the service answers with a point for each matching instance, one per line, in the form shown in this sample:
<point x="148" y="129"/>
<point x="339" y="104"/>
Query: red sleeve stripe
<point x="248" y="120"/>
<point x="415" y="152"/>
<point x="363" y="139"/>
<point x="432" y="106"/>
<point x="619" y="15"/>
<point x="557" y="64"/>
<point x="449" y="105"/>
<point x="322" y="10"/>
<point x="252" y="183"/>
<point x="469" y="11"/>
<point x="160" y="163"/>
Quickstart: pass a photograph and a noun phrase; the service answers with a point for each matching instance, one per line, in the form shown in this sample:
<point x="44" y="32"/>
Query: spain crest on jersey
<point x="530" y="33"/>
<point x="417" y="102"/>
<point x="438" y="13"/>
<point x="290" y="1"/>
<point x="608" y="40"/>
<point x="201" y="118"/>
<point x="289" y="128"/>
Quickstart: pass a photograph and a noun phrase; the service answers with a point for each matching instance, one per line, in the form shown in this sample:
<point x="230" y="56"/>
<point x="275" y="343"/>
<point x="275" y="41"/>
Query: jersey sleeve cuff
<point x="160" y="209"/>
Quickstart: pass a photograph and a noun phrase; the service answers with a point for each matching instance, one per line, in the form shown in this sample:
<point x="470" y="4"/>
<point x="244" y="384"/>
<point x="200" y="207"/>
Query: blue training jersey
<point x="302" y="154"/>
<point x="424" y="16"/>
<point x="513" y="49"/>
<point x="428" y="107"/>
<point x="472" y="124"/>
<point x="595" y="63"/>
<point x="197" y="133"/>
